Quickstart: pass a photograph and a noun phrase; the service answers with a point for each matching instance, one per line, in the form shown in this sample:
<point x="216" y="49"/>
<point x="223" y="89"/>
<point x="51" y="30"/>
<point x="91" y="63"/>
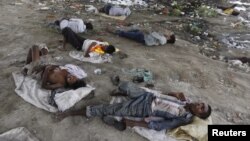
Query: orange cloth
<point x="97" y="49"/>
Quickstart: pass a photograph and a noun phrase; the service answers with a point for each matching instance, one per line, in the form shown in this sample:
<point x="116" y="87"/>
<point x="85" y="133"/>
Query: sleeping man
<point x="52" y="76"/>
<point x="85" y="45"/>
<point x="156" y="112"/>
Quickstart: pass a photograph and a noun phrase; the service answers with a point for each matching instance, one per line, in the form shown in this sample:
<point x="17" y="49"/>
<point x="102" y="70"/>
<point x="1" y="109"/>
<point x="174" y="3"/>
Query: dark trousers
<point x="135" y="35"/>
<point x="106" y="8"/>
<point x="72" y="38"/>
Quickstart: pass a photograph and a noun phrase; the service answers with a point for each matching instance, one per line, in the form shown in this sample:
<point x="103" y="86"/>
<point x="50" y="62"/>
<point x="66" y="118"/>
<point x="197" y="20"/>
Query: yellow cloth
<point x="97" y="49"/>
<point x="197" y="130"/>
<point x="228" y="11"/>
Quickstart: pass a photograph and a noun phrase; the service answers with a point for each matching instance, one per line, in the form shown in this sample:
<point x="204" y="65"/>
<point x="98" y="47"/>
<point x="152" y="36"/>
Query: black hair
<point x="101" y="10"/>
<point x="235" y="13"/>
<point x="110" y="49"/>
<point x="57" y="22"/>
<point x="78" y="84"/>
<point x="205" y="115"/>
<point x="171" y="39"/>
<point x="244" y="59"/>
<point x="89" y="25"/>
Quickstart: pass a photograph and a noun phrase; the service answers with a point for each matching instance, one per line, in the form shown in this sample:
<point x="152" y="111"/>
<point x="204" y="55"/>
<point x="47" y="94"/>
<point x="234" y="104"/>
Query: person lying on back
<point x="53" y="76"/>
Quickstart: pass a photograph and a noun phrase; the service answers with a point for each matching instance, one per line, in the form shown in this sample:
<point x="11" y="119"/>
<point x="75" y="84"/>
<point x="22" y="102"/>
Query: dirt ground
<point x="178" y="67"/>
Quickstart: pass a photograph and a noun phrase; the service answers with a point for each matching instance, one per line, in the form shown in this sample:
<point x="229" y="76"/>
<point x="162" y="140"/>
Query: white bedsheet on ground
<point x="18" y="134"/>
<point x="78" y="55"/>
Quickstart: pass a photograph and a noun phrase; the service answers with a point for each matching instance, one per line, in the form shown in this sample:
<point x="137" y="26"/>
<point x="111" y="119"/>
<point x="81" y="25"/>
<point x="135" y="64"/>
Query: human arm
<point x="132" y="123"/>
<point x="38" y="69"/>
<point x="64" y="44"/>
<point x="159" y="125"/>
<point x="53" y="86"/>
<point x="179" y="95"/>
<point x="170" y="123"/>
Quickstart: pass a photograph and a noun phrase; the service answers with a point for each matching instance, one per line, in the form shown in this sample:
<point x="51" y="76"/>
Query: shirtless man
<point x="54" y="76"/>
<point x="85" y="45"/>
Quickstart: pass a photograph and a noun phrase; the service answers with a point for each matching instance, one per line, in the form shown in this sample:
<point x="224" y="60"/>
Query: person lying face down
<point x="147" y="38"/>
<point x="115" y="10"/>
<point x="77" y="25"/>
<point x="85" y="45"/>
<point x="229" y="10"/>
<point x="53" y="76"/>
<point x="242" y="59"/>
<point x="156" y="112"/>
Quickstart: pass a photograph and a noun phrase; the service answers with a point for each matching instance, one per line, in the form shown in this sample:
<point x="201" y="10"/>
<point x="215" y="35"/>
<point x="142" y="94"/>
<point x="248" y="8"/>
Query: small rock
<point x="58" y="58"/>
<point x="44" y="8"/>
<point x="197" y="37"/>
<point x="205" y="33"/>
<point x="78" y="12"/>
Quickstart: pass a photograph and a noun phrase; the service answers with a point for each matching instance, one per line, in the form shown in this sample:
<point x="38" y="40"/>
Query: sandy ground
<point x="178" y="67"/>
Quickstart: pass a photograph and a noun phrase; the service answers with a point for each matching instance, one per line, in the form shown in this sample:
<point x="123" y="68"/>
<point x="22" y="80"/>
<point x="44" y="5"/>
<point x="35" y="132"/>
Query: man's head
<point x="171" y="39"/>
<point x="44" y="51"/>
<point x="71" y="79"/>
<point x="200" y="110"/>
<point x="57" y="23"/>
<point x="110" y="49"/>
<point x="74" y="83"/>
<point x="89" y="26"/>
<point x="235" y="13"/>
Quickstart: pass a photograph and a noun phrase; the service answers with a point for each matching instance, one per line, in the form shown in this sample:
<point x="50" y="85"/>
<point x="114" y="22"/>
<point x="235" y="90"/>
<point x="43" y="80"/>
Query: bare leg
<point x="29" y="57"/>
<point x="64" y="43"/>
<point x="35" y="53"/>
<point x="132" y="123"/>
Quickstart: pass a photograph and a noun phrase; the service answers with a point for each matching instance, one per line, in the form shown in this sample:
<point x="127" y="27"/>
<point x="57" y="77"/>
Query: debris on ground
<point x="238" y="65"/>
<point x="140" y="75"/>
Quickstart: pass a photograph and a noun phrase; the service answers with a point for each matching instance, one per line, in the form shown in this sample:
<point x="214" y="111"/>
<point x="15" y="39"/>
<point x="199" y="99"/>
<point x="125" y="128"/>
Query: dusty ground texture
<point x="178" y="67"/>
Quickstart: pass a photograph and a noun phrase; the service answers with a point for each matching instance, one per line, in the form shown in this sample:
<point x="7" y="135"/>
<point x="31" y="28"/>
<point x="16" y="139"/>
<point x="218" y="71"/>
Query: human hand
<point x="179" y="95"/>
